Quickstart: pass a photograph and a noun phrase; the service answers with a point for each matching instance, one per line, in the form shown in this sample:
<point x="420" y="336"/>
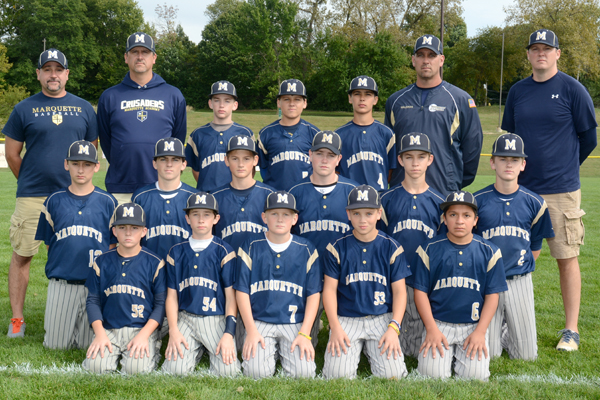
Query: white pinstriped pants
<point x="411" y="336"/>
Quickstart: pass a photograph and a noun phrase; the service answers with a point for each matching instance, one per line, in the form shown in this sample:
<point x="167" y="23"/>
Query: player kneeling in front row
<point x="200" y="302"/>
<point x="126" y="300"/>
<point x="364" y="294"/>
<point x="457" y="280"/>
<point x="75" y="224"/>
<point x="278" y="286"/>
<point x="516" y="220"/>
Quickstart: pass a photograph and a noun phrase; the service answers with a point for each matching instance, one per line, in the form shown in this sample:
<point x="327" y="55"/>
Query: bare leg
<point x="18" y="279"/>
<point x="570" y="286"/>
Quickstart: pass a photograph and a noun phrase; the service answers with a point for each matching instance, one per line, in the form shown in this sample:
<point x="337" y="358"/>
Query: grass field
<point x="28" y="370"/>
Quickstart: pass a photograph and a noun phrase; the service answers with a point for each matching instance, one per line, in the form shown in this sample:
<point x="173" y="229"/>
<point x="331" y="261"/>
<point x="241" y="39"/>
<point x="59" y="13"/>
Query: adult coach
<point x="554" y="115"/>
<point x="46" y="123"/>
<point x="133" y="116"/>
<point x="445" y="113"/>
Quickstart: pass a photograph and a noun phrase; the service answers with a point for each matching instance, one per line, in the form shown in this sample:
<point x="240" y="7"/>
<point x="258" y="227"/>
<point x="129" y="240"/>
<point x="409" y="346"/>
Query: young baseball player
<point x="369" y="147"/>
<point x="164" y="200"/>
<point x="75" y="225"/>
<point x="516" y="220"/>
<point x="206" y="146"/>
<point x="243" y="199"/>
<point x="457" y="280"/>
<point x="411" y="215"/>
<point x="200" y="303"/>
<point x="126" y="300"/>
<point x="278" y="286"/>
<point x="364" y="294"/>
<point x="284" y="144"/>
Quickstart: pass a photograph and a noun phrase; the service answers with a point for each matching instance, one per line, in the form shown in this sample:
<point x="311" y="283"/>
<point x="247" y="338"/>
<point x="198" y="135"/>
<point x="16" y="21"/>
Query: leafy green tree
<point x="9" y="95"/>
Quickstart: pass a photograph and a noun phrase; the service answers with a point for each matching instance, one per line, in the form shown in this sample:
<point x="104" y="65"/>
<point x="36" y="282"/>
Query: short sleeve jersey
<point x="48" y="126"/>
<point x="456" y="278"/>
<point x="201" y="277"/>
<point x="278" y="283"/>
<point x="365" y="273"/>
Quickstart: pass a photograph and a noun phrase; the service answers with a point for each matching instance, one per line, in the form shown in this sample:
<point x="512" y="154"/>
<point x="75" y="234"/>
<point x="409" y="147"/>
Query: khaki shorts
<point x="123" y="198"/>
<point x="23" y="225"/>
<point x="567" y="223"/>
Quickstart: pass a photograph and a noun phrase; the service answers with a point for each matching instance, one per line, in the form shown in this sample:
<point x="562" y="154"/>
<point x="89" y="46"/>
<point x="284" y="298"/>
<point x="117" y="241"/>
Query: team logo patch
<point x="53" y="54"/>
<point x="459" y="197"/>
<point x="555" y="96"/>
<point x="57" y="119"/>
<point x="363" y="195"/>
<point x="434" y="108"/>
<point x="427" y="40"/>
<point x="140" y="39"/>
<point x="327" y="138"/>
<point x="84" y="149"/>
<point x="222" y="86"/>
<point x="415" y="140"/>
<point x="128" y="212"/>
<point x="540" y="36"/>
<point x="282" y="198"/>
<point x="472" y="103"/>
<point x="291" y="87"/>
<point x="169" y="146"/>
<point x="142" y="115"/>
<point x="201" y="199"/>
<point x="362" y="82"/>
<point x="510" y="145"/>
<point x="242" y="141"/>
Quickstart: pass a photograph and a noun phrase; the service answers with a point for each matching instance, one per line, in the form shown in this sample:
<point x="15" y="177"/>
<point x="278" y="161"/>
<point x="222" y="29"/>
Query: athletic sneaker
<point x="16" y="328"/>
<point x="569" y="340"/>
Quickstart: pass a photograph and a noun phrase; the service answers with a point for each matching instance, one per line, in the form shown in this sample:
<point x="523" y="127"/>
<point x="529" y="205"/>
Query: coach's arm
<point x="12" y="149"/>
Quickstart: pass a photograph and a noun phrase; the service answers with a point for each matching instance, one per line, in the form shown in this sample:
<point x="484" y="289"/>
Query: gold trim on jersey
<point x="170" y="260"/>
<point x="261" y="146"/>
<point x="48" y="217"/>
<point x="245" y="258"/>
<point x="333" y="251"/>
<point x="539" y="214"/>
<point x="398" y="251"/>
<point x="96" y="268"/>
<point x="424" y="256"/>
<point x="193" y="146"/>
<point x="455" y="125"/>
<point x="160" y="266"/>
<point x="311" y="260"/>
<point x="227" y="258"/>
<point x="391" y="144"/>
<point x="497" y="255"/>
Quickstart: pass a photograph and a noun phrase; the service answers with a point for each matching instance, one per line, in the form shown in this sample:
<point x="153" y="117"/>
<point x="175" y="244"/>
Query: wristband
<point x="305" y="335"/>
<point x="395" y="328"/>
<point x="397" y="324"/>
<point x="230" y="323"/>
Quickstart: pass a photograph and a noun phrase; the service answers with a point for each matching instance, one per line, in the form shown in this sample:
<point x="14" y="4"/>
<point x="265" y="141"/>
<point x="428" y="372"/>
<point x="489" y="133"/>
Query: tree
<point x="9" y="95"/>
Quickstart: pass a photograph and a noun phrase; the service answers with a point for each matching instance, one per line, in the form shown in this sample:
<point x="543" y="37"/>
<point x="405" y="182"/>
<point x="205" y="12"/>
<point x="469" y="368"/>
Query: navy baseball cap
<point x="82" y="150"/>
<point x="363" y="196"/>
<point x="281" y="199"/>
<point x="140" y="39"/>
<point x="169" y="147"/>
<point x="509" y="145"/>
<point x="202" y="200"/>
<point x="459" y="197"/>
<point x="241" y="142"/>
<point x="52" y="55"/>
<point x="292" y="86"/>
<point x="544" y="36"/>
<point x="429" y="42"/>
<point x="129" y="214"/>
<point x="415" y="141"/>
<point x="223" y="87"/>
<point x="327" y="140"/>
<point x="363" y="82"/>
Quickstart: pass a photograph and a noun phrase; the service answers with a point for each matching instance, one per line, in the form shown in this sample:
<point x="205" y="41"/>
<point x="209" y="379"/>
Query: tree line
<point x="258" y="43"/>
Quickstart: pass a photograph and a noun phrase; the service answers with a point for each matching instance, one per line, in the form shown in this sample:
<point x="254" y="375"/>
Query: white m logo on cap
<point x="327" y="138"/>
<point x="427" y="40"/>
<point x="140" y="38"/>
<point x="459" y="197"/>
<point x="128" y="212"/>
<point x="242" y="141"/>
<point x="222" y="86"/>
<point x="282" y="198"/>
<point x="362" y="82"/>
<point x="510" y="144"/>
<point x="84" y="149"/>
<point x="415" y="140"/>
<point x="363" y="195"/>
<point x="169" y="146"/>
<point x="291" y="87"/>
<point x="541" y="36"/>
<point x="53" y="54"/>
<point x="200" y="199"/>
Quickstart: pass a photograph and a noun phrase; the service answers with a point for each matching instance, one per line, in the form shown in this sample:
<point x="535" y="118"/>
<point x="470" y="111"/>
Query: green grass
<point x="28" y="370"/>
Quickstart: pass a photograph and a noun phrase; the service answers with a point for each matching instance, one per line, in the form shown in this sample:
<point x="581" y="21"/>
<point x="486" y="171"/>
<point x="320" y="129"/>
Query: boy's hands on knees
<point x="338" y="340"/>
<point x="98" y="344"/>
<point x="139" y="346"/>
<point x="251" y="344"/>
<point x="434" y="339"/>
<point x="226" y="348"/>
<point x="305" y="346"/>
<point x="389" y="342"/>
<point x="475" y="344"/>
<point x="176" y="339"/>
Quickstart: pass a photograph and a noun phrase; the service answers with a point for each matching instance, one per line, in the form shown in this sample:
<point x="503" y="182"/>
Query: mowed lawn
<point x="28" y="370"/>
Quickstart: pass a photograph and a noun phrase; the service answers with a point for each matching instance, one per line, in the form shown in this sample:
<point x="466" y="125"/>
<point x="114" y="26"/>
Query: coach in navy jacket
<point x="134" y="115"/>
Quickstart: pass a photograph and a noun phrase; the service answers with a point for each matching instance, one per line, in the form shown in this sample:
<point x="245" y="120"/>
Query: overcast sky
<point x="477" y="14"/>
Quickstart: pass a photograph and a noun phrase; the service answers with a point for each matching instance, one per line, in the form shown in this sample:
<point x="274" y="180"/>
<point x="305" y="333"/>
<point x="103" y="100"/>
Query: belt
<point x="513" y="277"/>
<point x="80" y="282"/>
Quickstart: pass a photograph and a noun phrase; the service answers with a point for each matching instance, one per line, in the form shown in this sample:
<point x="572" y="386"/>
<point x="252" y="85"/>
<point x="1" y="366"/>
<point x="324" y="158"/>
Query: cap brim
<point x="326" y="146"/>
<point x="128" y="221"/>
<point x="356" y="206"/>
<point x="281" y="208"/>
<point x="447" y="204"/>
<point x="507" y="154"/>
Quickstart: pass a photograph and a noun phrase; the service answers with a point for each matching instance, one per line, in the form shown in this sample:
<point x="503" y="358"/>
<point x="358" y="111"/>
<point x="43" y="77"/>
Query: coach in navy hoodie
<point x="133" y="116"/>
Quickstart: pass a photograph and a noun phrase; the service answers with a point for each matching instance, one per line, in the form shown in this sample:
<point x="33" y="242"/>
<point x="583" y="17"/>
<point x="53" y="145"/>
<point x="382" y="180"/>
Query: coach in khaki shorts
<point x="554" y="115"/>
<point x="46" y="123"/>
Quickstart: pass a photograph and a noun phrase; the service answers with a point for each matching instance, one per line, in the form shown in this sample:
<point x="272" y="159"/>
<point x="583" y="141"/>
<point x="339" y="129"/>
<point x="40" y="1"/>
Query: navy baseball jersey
<point x="322" y="217"/>
<point x="556" y="118"/>
<point x="411" y="219"/>
<point x="165" y="216"/>
<point x="205" y="153"/>
<point x="127" y="288"/>
<point x="368" y="153"/>
<point x="201" y="277"/>
<point x="77" y="230"/>
<point x="365" y="273"/>
<point x="517" y="223"/>
<point x="278" y="283"/>
<point x="284" y="154"/>
<point x="458" y="277"/>
<point x="240" y="212"/>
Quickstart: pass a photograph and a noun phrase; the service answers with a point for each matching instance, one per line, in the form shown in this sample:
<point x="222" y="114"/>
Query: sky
<point x="477" y="14"/>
